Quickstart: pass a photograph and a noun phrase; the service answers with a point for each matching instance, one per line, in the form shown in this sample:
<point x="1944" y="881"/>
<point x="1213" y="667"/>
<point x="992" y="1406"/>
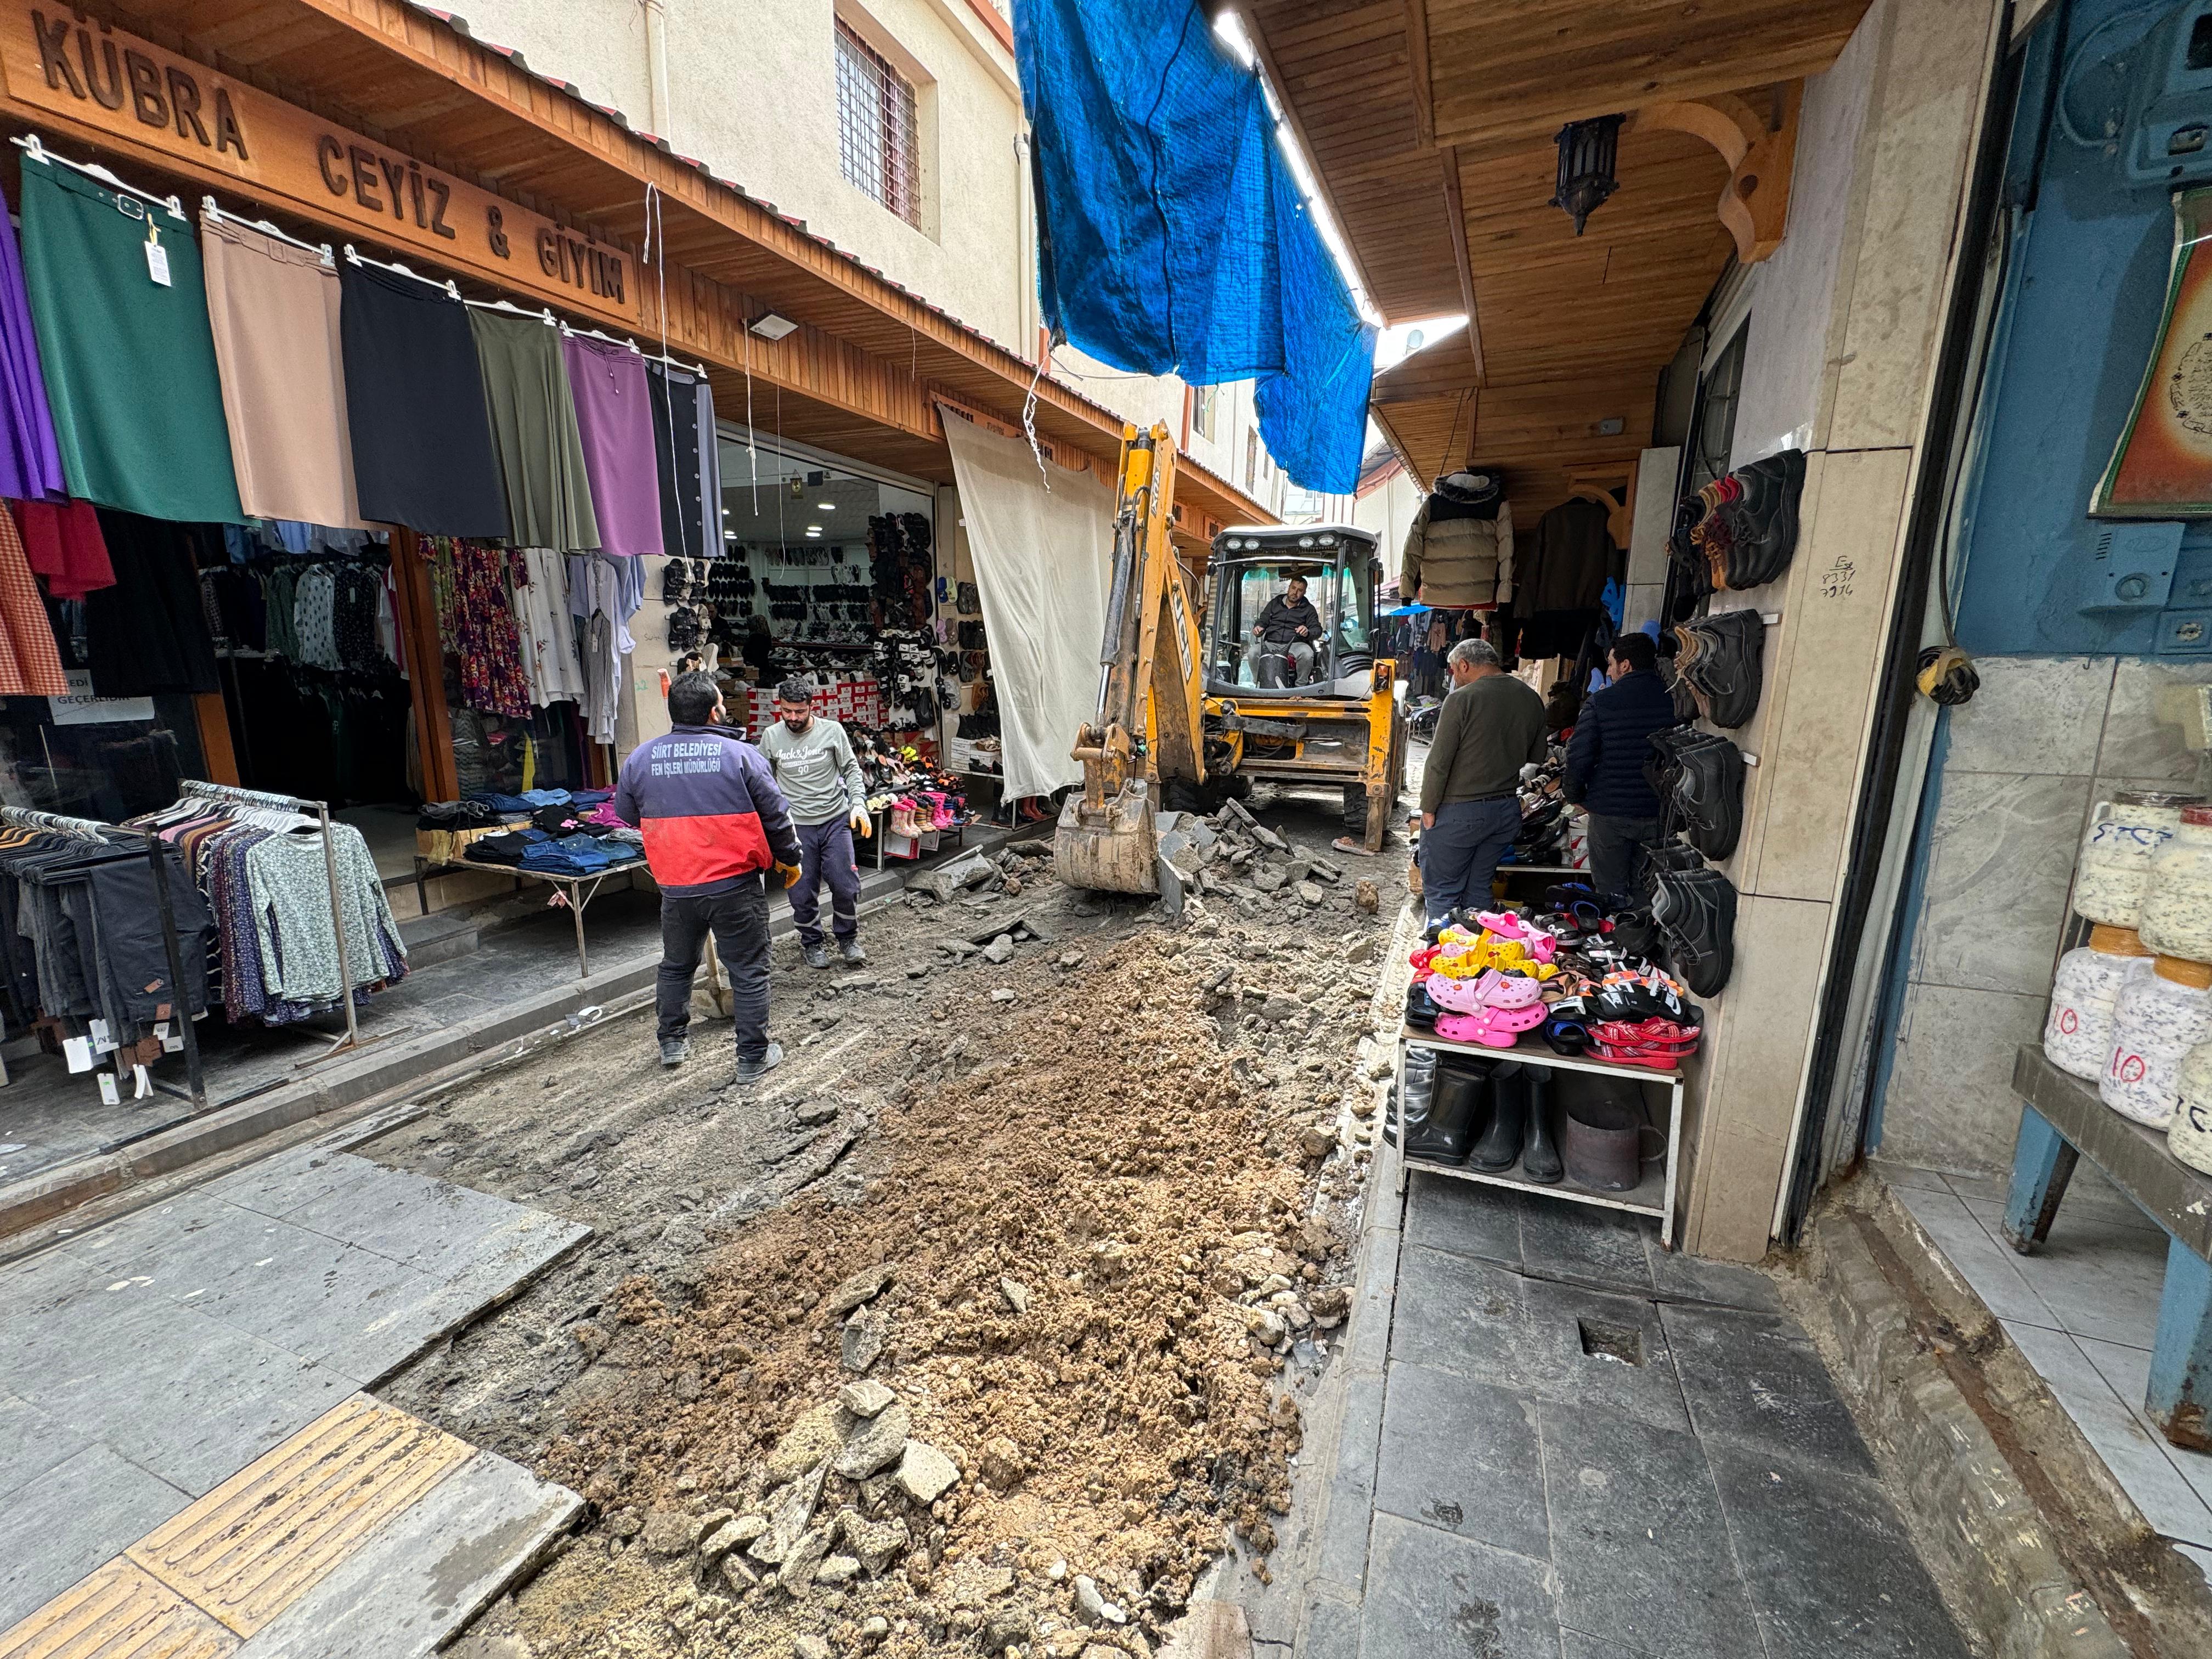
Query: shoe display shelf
<point x="1654" y="1196"/>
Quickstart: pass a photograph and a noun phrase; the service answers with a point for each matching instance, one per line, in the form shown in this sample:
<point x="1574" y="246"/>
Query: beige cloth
<point x="274" y="311"/>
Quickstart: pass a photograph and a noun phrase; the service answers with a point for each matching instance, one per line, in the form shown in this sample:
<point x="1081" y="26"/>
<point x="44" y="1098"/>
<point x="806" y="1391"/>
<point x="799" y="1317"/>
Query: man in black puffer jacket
<point x="1605" y="764"/>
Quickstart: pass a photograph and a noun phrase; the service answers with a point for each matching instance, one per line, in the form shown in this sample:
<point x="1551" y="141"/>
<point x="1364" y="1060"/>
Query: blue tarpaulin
<point x="1173" y="238"/>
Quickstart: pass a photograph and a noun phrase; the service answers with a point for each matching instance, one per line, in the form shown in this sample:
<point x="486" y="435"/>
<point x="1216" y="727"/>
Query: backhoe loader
<point x="1189" y="709"/>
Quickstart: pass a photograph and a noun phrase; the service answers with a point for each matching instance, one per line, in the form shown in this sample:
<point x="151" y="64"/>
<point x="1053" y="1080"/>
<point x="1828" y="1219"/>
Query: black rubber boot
<point x="1449" y="1131"/>
<point x="1410" y="1095"/>
<point x="1500" y="1146"/>
<point x="1540" y="1156"/>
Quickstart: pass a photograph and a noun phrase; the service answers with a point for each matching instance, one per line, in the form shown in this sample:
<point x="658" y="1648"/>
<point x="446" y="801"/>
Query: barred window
<point x="876" y="126"/>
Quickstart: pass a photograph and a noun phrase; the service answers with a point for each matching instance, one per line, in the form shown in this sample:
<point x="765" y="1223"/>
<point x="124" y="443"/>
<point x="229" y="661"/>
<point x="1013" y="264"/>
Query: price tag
<point x="142" y="1084"/>
<point x="78" y="1052"/>
<point x="157" y="258"/>
<point x="109" y="1094"/>
<point x="101" y="1043"/>
<point x="172" y="1043"/>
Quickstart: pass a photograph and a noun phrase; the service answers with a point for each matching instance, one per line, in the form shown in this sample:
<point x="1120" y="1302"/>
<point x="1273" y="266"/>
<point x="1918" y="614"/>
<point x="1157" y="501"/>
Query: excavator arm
<point x="1148" y="732"/>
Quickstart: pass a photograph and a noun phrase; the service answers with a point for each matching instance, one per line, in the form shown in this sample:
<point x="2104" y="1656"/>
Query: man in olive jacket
<point x="1491" y="726"/>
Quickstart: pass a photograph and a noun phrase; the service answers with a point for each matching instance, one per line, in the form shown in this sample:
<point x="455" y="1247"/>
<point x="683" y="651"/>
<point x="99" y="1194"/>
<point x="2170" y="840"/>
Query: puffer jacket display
<point x="1459" y="551"/>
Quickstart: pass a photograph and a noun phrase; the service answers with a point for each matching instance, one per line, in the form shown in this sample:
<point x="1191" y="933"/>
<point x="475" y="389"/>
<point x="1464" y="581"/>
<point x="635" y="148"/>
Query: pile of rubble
<point x="1232" y="855"/>
<point x="976" y="876"/>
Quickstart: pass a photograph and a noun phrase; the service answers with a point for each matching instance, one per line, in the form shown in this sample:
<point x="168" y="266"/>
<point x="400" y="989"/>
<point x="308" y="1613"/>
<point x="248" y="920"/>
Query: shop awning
<point x="574" y="182"/>
<point x="1431" y="125"/>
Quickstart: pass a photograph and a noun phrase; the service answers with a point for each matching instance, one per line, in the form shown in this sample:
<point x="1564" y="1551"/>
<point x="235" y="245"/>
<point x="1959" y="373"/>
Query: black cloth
<point x="422" y="441"/>
<point x="506" y="848"/>
<point x="1566" y="567"/>
<point x="1279" y="622"/>
<point x="676" y="448"/>
<point x="149" y="633"/>
<point x="758" y="650"/>
<point x="1612" y="741"/>
<point x="739" y="920"/>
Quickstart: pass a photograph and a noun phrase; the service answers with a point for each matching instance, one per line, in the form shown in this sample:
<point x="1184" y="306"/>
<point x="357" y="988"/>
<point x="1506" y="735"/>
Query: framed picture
<point x="2162" y="466"/>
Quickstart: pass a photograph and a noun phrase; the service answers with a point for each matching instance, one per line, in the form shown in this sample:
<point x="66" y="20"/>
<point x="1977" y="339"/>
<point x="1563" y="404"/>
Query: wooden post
<point x="217" y="754"/>
<point x="426" y="666"/>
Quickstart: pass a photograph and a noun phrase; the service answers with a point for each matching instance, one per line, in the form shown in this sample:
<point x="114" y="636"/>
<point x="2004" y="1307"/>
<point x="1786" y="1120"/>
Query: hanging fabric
<point x="30" y="458"/>
<point x="533" y="432"/>
<point x="710" y="475"/>
<point x="30" y="662"/>
<point x="614" y="418"/>
<point x="63" y="544"/>
<point x="676" y="444"/>
<point x="273" y="310"/>
<point x="116" y="289"/>
<point x="414" y="409"/>
<point x="149" y="633"/>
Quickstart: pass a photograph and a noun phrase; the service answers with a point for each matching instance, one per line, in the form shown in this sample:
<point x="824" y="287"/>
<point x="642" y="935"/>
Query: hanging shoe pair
<point x="1699" y="777"/>
<point x="1718" y="656"/>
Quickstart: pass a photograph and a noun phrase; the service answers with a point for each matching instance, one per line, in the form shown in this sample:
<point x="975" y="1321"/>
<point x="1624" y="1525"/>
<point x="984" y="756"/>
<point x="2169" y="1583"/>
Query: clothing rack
<point x="29" y="143"/>
<point x="355" y="257"/>
<point x="198" y="789"/>
<point x="92" y="831"/>
<point x="209" y="210"/>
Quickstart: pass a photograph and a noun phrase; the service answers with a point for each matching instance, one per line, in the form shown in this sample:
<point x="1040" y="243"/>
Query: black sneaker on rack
<point x="1726" y="670"/>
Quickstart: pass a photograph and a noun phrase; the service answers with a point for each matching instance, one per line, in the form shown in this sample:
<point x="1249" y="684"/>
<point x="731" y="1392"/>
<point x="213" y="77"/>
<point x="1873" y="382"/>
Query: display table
<point x="2062" y="1120"/>
<point x="576" y="891"/>
<point x="1654" y="1197"/>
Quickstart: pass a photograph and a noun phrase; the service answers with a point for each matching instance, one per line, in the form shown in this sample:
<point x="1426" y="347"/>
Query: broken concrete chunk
<point x="806" y="1443"/>
<point x="864" y="1286"/>
<point x="876" y="1544"/>
<point x="811" y="1647"/>
<point x="864" y="1399"/>
<point x="670" y="1532"/>
<point x="731" y="1535"/>
<point x="862" y="1340"/>
<point x="874" y="1443"/>
<point x="796" y="1573"/>
<point x="1014" y="1294"/>
<point x="837" y="1571"/>
<point x="925" y="1472"/>
<point x="1000" y="949"/>
<point x="1093" y="1608"/>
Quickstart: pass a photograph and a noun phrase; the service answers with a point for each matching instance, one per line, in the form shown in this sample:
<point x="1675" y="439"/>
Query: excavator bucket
<point x="1111" y="848"/>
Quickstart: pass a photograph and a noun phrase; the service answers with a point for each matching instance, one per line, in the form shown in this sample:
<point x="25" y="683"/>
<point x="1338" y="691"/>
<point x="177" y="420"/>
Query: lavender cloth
<point x="614" y="417"/>
<point x="30" y="455"/>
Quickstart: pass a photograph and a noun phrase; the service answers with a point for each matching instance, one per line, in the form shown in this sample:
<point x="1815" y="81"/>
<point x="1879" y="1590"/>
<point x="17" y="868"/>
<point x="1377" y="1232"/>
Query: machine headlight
<point x="1328" y="541"/>
<point x="1305" y="541"/>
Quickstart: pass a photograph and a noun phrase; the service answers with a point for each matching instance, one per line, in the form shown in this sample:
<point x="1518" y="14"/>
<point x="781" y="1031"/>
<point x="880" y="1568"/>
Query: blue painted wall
<point x="2088" y="255"/>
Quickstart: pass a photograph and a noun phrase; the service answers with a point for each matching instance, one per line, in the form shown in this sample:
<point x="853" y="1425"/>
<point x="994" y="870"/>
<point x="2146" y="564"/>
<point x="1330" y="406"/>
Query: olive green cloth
<point x="1488" y="731"/>
<point x="533" y="432"/>
<point x="129" y="361"/>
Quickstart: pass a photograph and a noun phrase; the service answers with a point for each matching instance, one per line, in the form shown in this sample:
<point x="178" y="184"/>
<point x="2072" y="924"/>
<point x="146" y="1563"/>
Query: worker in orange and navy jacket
<point x="715" y="827"/>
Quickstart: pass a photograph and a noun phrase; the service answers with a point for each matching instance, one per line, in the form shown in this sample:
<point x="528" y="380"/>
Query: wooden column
<point x="217" y="758"/>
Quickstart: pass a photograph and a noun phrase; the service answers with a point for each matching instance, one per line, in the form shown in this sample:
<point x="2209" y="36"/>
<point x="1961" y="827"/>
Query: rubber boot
<point x="1540" y="1155"/>
<point x="1449" y="1131"/>
<point x="1500" y="1146"/>
<point x="1414" y="1091"/>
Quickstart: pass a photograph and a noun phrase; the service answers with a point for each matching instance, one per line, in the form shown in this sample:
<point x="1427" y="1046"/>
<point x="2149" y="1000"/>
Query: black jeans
<point x="1614" y="844"/>
<point x="739" y="923"/>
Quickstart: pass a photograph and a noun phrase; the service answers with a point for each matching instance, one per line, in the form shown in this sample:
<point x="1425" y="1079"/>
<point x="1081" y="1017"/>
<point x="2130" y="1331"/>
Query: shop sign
<point x="81" y="707"/>
<point x="96" y="79"/>
<point x="2162" y="466"/>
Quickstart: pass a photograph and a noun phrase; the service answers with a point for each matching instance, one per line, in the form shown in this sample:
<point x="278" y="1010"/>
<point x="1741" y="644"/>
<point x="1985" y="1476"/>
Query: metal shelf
<point x="1653" y="1196"/>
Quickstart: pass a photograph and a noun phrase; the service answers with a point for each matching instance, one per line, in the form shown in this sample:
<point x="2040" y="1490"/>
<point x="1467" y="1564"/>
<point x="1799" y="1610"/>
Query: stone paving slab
<point x="1434" y="1596"/>
<point x="61" y="1524"/>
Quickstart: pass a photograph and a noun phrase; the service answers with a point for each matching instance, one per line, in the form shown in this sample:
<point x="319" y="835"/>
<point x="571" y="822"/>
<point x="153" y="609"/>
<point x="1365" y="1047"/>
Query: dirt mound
<point x="1083" y="1249"/>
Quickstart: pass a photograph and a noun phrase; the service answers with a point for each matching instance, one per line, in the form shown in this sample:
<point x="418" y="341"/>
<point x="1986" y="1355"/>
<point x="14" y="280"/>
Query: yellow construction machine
<point x="1188" y="708"/>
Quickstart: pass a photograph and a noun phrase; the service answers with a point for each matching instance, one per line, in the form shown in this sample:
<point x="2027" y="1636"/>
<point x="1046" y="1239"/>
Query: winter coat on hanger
<point x="1459" y="551"/>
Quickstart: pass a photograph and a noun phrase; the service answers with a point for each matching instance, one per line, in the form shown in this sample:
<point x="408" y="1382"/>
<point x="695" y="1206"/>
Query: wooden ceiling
<point x="861" y="375"/>
<point x="1431" y="124"/>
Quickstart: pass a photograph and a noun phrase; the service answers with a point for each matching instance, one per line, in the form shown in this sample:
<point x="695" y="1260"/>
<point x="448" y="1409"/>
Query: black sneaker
<point x="1726" y="670"/>
<point x="1768" y="513"/>
<point x="1706" y="800"/>
<point x="1696" y="912"/>
<point x="673" y="1051"/>
<point x="815" y="955"/>
<point x="850" y="953"/>
<point x="751" y="1070"/>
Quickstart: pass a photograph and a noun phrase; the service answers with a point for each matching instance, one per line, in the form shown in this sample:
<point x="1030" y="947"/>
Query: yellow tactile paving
<point x="119" y="1611"/>
<point x="225" y="1567"/>
<point x="248" y="1549"/>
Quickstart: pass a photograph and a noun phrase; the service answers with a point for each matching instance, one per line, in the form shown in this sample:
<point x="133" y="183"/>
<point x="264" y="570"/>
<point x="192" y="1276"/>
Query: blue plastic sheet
<point x="1173" y="238"/>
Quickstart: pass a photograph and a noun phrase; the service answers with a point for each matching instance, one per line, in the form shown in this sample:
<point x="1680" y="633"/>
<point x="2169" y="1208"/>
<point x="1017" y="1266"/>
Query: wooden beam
<point x="1417" y="63"/>
<point x="1455" y="211"/>
<point x="218" y="760"/>
<point x="417" y="622"/>
<point x="1761" y="155"/>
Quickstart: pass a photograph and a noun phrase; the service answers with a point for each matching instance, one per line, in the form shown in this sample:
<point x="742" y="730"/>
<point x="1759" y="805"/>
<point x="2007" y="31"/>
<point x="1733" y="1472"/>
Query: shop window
<point x="1712" y="427"/>
<point x="876" y="126"/>
<point x="1203" y="401"/>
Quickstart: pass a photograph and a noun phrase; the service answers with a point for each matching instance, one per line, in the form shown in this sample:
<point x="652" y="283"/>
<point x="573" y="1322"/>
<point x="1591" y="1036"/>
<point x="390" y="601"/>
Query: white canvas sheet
<point x="1043" y="564"/>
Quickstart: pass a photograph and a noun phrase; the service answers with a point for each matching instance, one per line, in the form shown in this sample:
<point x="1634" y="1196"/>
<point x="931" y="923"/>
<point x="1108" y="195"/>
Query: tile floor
<point x="2083" y="1309"/>
<point x="144" y="1362"/>
<point x="1576" y="1445"/>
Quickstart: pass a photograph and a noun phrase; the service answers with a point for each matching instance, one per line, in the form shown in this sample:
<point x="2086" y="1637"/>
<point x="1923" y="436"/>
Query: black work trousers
<point x="739" y="920"/>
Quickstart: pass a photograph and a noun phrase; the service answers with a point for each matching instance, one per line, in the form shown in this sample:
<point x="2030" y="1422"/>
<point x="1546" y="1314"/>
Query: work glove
<point x="862" y="825"/>
<point x="789" y="873"/>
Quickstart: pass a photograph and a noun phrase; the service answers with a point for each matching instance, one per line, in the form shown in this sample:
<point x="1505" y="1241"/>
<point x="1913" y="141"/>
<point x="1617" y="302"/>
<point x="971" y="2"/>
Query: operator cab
<point x="1253" y="647"/>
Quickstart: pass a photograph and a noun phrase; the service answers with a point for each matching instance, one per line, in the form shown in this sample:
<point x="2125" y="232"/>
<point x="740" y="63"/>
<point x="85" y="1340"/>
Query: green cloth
<point x="129" y="364"/>
<point x="1488" y="731"/>
<point x="533" y="431"/>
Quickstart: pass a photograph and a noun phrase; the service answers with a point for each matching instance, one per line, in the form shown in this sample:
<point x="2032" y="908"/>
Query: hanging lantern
<point x="1588" y="150"/>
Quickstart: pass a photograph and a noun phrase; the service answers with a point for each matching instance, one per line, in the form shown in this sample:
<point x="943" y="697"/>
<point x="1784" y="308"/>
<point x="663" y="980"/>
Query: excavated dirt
<point x="1089" y="1204"/>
